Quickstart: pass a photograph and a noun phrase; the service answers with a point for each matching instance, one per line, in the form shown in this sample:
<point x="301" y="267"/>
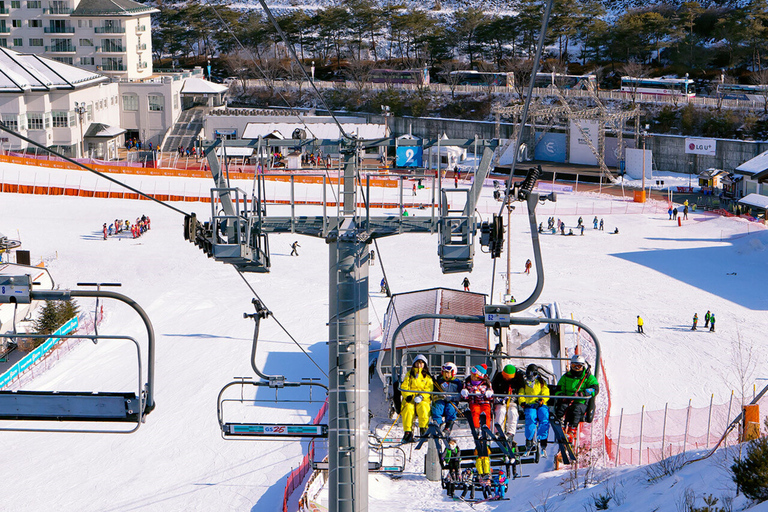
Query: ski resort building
<point x="439" y="340"/>
<point x="112" y="37"/>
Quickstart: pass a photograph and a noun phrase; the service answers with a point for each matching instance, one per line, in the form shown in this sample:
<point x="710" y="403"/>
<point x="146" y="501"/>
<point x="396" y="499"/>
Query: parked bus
<point x="660" y="86"/>
<point x="484" y="78"/>
<point x="400" y="76"/>
<point x="576" y="82"/>
<point x="755" y="93"/>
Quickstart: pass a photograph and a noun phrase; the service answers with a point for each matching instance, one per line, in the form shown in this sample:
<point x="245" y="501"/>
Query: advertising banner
<point x="701" y="146"/>
<point x="580" y="151"/>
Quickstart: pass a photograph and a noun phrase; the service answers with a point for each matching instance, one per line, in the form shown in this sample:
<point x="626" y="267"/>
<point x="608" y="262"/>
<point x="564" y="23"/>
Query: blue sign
<point x="551" y="147"/>
<point x="410" y="156"/>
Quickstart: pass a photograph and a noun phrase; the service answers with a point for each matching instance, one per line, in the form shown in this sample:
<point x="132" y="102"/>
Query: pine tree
<point x="751" y="473"/>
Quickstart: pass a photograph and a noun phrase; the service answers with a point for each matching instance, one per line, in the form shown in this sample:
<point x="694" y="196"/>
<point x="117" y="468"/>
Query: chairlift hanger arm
<point x="67" y="294"/>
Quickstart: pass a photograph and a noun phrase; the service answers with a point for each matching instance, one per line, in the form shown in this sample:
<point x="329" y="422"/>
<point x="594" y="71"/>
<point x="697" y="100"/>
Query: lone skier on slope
<point x="695" y="321"/>
<point x="465" y="284"/>
<point x="295" y="245"/>
<point x="640" y="325"/>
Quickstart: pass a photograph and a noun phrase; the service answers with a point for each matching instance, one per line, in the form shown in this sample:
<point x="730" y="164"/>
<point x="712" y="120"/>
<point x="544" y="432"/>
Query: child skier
<point x="535" y="409"/>
<point x="452" y="458"/>
<point x="695" y="321"/>
<point x="479" y="387"/>
<point x="500" y="480"/>
<point x="468" y="484"/>
<point x="445" y="405"/>
<point x="507" y="382"/>
<point x="707" y="316"/>
<point x="415" y="403"/>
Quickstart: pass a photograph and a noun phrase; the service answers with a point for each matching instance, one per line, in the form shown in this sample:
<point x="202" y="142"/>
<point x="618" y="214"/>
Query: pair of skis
<point x="565" y="454"/>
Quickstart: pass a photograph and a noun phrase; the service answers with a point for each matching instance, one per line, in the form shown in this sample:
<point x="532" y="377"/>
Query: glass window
<point x="89" y="113"/>
<point x="36" y="42"/>
<point x="16" y="23"/>
<point x="73" y="118"/>
<point x="11" y="121"/>
<point x="156" y="103"/>
<point x="47" y="120"/>
<point x="86" y="42"/>
<point x="35" y="23"/>
<point x="86" y="61"/>
<point x="130" y="102"/>
<point x="60" y="119"/>
<point x="17" y="41"/>
<point x="3" y="42"/>
<point x="16" y="4"/>
<point x="34" y="4"/>
<point x="35" y="121"/>
<point x="64" y="60"/>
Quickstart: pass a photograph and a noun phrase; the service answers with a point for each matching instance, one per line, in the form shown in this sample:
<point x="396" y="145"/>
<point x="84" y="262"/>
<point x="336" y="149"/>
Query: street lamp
<point x="644" y="134"/>
<point x="80" y="110"/>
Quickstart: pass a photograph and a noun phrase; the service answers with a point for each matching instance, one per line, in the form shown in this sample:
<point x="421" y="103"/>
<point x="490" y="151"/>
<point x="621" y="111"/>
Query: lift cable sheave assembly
<point x="277" y="382"/>
<point x="75" y="406"/>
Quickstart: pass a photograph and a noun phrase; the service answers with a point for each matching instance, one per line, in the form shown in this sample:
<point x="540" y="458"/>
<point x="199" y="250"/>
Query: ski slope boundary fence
<point x="647" y="437"/>
<point x="296" y="476"/>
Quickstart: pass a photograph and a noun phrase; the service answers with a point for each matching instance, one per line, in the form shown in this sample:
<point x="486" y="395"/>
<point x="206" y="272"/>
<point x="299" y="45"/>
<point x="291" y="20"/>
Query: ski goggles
<point x="577" y="366"/>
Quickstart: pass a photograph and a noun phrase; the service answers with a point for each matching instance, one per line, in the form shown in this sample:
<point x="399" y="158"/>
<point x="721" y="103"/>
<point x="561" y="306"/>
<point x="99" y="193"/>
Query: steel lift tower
<point x="239" y="236"/>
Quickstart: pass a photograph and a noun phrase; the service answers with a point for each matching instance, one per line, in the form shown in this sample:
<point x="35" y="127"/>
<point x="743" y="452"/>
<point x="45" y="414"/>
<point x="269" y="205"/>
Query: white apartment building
<point x="112" y="37"/>
<point x="71" y="110"/>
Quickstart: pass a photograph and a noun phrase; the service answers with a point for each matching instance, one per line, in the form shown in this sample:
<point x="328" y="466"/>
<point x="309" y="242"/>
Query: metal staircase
<point x="185" y="130"/>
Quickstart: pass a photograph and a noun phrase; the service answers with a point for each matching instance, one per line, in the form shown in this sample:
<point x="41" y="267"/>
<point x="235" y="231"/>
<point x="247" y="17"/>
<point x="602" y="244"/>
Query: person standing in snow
<point x="104" y="230"/>
<point x="465" y="284"/>
<point x="479" y="387"/>
<point x="416" y="404"/>
<point x="535" y="409"/>
<point x="674" y="214"/>
<point x="578" y="381"/>
<point x="445" y="405"/>
<point x="695" y="321"/>
<point x="385" y="287"/>
<point x="601" y="224"/>
<point x="685" y="212"/>
<point x="712" y="322"/>
<point x="640" y="325"/>
<point x="707" y="317"/>
<point x="580" y="222"/>
<point x="372" y="258"/>
<point x="670" y="213"/>
<point x="295" y="245"/>
<point x="507" y="382"/>
<point x="528" y="266"/>
<point x="594" y="222"/>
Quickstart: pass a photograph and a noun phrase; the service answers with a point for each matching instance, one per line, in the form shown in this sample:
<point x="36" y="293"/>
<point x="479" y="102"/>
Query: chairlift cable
<point x="281" y="325"/>
<point x="289" y="46"/>
<point x="100" y="174"/>
<point x="228" y="28"/>
<point x="529" y="94"/>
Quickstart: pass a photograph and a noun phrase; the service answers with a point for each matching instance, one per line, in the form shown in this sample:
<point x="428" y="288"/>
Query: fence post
<point x="605" y="448"/>
<point x="728" y="418"/>
<point x="709" y="420"/>
<point x="640" y="451"/>
<point x="664" y="431"/>
<point x="687" y="422"/>
<point x="618" y="441"/>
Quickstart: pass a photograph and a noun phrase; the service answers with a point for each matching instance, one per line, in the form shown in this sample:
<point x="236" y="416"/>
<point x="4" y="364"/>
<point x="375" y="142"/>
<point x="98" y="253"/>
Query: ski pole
<point x="391" y="426"/>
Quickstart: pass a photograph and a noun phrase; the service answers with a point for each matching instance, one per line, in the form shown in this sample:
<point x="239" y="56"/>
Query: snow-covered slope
<point x="178" y="461"/>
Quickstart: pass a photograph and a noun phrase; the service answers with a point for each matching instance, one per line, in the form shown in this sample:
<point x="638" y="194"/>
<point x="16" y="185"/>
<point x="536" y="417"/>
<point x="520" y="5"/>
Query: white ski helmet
<point x="450" y="368"/>
<point x="579" y="359"/>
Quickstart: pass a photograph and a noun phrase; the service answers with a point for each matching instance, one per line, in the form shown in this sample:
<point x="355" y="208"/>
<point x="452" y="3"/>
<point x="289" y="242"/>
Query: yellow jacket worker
<point x="417" y="379"/>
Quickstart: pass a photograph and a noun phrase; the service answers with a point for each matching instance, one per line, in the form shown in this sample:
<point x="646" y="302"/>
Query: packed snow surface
<point x="178" y="459"/>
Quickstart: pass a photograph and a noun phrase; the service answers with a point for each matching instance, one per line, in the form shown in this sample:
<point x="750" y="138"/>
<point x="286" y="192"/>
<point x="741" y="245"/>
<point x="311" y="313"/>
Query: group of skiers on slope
<point x="480" y="393"/>
<point x="709" y="321"/>
<point x="579" y="226"/>
<point x="138" y="228"/>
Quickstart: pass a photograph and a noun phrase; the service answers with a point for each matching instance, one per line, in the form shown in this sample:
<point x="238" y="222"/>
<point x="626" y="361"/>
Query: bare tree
<point x="634" y="69"/>
<point x="760" y="78"/>
<point x="522" y="70"/>
<point x="359" y="73"/>
<point x="448" y="71"/>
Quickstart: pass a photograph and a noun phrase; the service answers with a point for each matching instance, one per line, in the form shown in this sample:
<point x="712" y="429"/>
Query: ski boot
<point x="447" y="428"/>
<point x="407" y="437"/>
<point x="543" y="447"/>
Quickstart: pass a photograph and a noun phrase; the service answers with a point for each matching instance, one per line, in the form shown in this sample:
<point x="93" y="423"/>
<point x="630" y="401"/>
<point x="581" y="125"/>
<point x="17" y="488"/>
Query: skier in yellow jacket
<point x="416" y="404"/>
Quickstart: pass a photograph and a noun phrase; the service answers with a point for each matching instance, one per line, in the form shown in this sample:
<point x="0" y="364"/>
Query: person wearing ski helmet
<point x="507" y="382"/>
<point x="578" y="381"/>
<point x="444" y="407"/>
<point x="479" y="393"/>
<point x="535" y="408"/>
<point x="415" y="403"/>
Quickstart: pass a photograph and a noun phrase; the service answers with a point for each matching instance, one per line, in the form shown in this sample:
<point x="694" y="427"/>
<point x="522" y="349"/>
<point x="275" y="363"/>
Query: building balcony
<point x="61" y="49"/>
<point x="4" y="10"/>
<point x="57" y="11"/>
<point x="141" y="47"/>
<point x="141" y="65"/>
<point x="111" y="67"/>
<point x="5" y="30"/>
<point x="59" y="30"/>
<point x="109" y="49"/>
<point x="141" y="28"/>
<point x="110" y="30"/>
